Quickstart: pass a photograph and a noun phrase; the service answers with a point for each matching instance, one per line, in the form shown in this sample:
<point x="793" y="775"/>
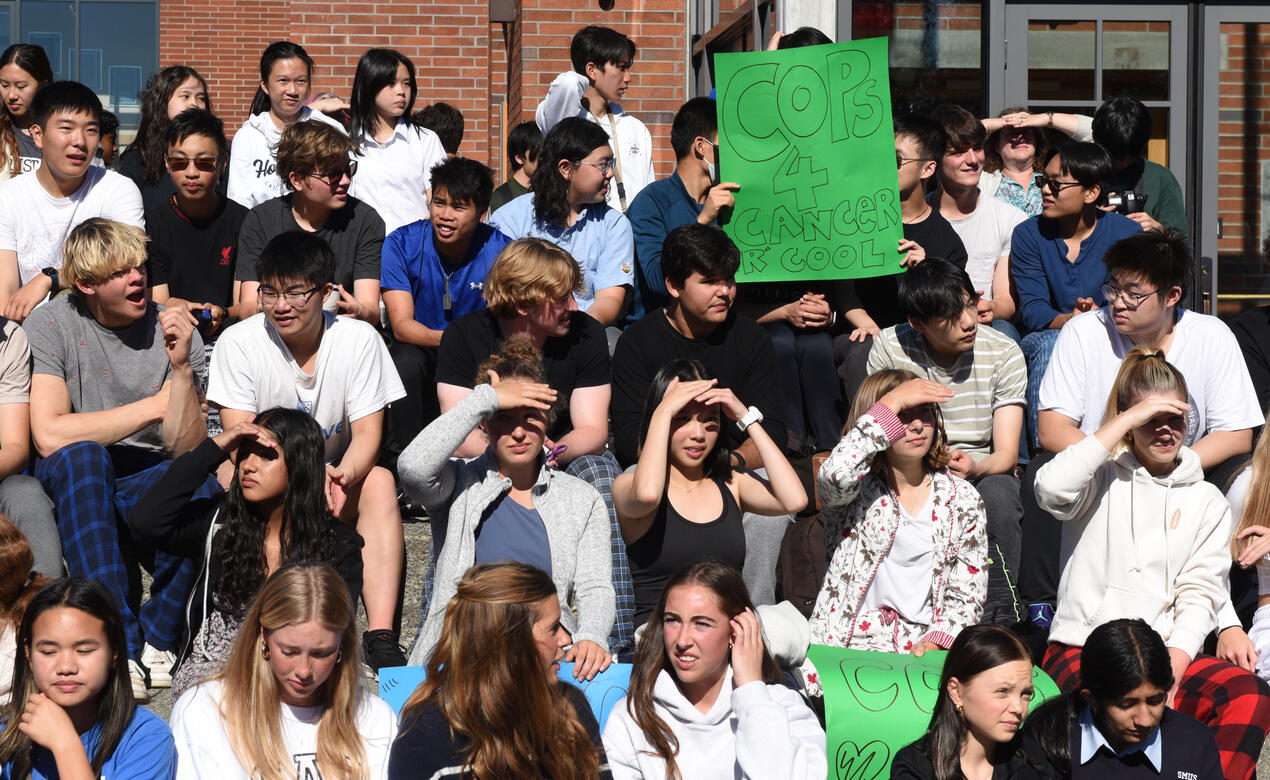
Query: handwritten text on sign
<point x="807" y="134"/>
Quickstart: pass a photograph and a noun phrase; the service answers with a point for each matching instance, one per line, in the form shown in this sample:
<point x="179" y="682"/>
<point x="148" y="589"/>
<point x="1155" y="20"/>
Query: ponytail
<point x="1143" y="372"/>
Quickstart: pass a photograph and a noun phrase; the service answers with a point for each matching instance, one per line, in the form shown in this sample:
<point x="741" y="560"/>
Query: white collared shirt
<point x="394" y="176"/>
<point x="1091" y="739"/>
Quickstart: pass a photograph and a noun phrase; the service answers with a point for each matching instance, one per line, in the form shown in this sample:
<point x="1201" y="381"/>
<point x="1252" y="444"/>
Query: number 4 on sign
<point x="798" y="174"/>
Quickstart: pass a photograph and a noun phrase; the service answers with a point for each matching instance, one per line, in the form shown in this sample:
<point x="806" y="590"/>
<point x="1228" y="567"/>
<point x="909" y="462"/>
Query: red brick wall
<point x="460" y="57"/>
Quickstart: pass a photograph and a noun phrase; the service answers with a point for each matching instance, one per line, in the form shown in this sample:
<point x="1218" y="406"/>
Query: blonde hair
<point x="880" y="383"/>
<point x="309" y="146"/>
<point x="485" y="676"/>
<point x="1143" y="372"/>
<point x="528" y="273"/>
<point x="250" y="705"/>
<point x="98" y="248"/>
<point x="1257" y="503"/>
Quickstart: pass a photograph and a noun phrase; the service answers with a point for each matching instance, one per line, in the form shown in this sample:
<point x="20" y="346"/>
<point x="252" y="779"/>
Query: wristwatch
<point x="752" y="416"/>
<point x="51" y="273"/>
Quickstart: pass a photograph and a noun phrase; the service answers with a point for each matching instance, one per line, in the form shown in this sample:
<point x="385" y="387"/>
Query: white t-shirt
<point x="204" y="752"/>
<point x="252" y="370"/>
<point x="986" y="234"/>
<point x="35" y="224"/>
<point x="394" y="177"/>
<point x="1087" y="357"/>
<point x="910" y="560"/>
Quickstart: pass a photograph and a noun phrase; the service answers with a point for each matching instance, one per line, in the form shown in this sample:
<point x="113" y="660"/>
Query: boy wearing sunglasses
<point x="37" y="212"/>
<point x="315" y="164"/>
<point x="193" y="243"/>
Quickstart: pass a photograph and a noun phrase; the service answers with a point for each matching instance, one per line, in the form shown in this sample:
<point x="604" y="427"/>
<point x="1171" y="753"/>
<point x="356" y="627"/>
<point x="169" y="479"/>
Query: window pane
<point x="1060" y="60"/>
<point x="1135" y="60"/>
<point x="118" y="52"/>
<point x="51" y="26"/>
<point x="935" y="51"/>
<point x="6" y="25"/>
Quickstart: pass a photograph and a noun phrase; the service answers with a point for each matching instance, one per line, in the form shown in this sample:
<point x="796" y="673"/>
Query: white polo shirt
<point x="394" y="176"/>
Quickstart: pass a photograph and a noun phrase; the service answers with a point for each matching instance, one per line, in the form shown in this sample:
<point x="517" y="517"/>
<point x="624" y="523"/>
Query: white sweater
<point x="754" y="732"/>
<point x="1136" y="546"/>
<point x="253" y="158"/>
<point x="204" y="752"/>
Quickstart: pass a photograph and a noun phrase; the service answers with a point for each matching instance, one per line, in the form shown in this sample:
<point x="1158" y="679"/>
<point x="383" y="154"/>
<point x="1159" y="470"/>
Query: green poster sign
<point x="807" y="134"/>
<point x="877" y="703"/>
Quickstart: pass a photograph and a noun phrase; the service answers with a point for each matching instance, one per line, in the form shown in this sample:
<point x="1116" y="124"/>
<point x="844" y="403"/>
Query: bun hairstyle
<point x="518" y="358"/>
<point x="1143" y="372"/>
<point x="871" y="391"/>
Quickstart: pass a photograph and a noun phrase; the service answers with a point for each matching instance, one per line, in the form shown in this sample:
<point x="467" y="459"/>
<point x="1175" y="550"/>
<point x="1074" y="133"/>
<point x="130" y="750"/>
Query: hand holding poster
<point x="807" y="134"/>
<point x="877" y="703"/>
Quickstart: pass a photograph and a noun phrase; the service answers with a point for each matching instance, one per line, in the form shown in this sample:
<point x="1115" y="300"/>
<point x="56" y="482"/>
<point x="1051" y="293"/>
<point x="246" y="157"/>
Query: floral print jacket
<point x="861" y="516"/>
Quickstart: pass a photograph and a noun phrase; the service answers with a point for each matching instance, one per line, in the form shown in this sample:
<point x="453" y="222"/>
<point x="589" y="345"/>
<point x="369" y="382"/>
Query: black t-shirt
<point x="578" y="359"/>
<point x="355" y="233"/>
<point x="879" y="296"/>
<point x="195" y="260"/>
<point x="739" y="352"/>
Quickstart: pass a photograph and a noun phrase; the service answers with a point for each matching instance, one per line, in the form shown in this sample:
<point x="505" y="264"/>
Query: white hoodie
<point x="253" y="158"/>
<point x="753" y="732"/>
<point x="1136" y="546"/>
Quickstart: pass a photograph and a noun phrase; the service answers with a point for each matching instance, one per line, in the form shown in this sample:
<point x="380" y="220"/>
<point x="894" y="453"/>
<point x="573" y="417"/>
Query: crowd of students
<point x="237" y="363"/>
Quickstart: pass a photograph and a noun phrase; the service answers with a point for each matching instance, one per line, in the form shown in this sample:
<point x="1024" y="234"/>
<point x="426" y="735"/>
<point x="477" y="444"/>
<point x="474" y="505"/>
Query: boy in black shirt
<point x="523" y="144"/>
<point x="194" y="235"/>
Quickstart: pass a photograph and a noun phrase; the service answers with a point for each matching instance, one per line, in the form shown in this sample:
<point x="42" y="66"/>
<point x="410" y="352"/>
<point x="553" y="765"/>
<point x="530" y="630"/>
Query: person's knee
<point x="1002" y="497"/>
<point x="782" y="337"/>
<point x="377" y="490"/>
<point x="25" y="493"/>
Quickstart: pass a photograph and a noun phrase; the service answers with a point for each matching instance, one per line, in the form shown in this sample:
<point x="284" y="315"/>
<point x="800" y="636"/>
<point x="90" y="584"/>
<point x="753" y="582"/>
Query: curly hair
<point x="152" y="133"/>
<point x="308" y="530"/>
<point x="18" y="582"/>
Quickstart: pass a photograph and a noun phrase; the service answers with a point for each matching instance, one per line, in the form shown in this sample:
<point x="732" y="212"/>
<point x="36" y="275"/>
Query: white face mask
<point x="711" y="168"/>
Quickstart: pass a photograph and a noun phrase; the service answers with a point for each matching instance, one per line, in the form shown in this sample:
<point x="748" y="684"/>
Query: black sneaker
<point x="381" y="649"/>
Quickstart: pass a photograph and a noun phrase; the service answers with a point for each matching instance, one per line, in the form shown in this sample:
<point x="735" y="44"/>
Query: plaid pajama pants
<point x="94" y="490"/>
<point x="1233" y="702"/>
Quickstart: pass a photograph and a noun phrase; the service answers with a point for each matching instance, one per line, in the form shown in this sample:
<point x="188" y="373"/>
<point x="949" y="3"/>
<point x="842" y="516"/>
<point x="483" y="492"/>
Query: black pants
<point x="417" y="367"/>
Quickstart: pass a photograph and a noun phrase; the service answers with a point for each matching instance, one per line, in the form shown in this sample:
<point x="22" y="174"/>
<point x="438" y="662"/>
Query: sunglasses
<point x="204" y="164"/>
<point x="335" y="175"/>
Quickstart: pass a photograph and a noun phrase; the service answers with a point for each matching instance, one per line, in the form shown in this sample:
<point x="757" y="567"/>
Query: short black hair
<point x="935" y="289"/>
<point x="107" y="124"/>
<point x="525" y="140"/>
<point x="803" y="36"/>
<point x="446" y="121"/>
<point x="464" y="180"/>
<point x="705" y="249"/>
<point x="1162" y="259"/>
<point x="1122" y="126"/>
<point x="297" y="256"/>
<point x="696" y="118"/>
<point x="964" y="129"/>
<point x="69" y="97"/>
<point x="929" y="135"/>
<point x="1087" y="163"/>
<point x="600" y="45"/>
<point x="197" y="121"/>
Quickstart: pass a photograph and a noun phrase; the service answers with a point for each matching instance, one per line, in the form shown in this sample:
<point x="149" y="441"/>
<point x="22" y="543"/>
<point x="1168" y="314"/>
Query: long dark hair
<point x="725" y="582"/>
<point x="976" y="650"/>
<point x="1117" y="657"/>
<point x="571" y="139"/>
<point x="717" y="462"/>
<point x="375" y="70"/>
<point x="308" y="531"/>
<point x="152" y="133"/>
<point x="115" y="705"/>
<point x="278" y="50"/>
<point x="32" y="59"/>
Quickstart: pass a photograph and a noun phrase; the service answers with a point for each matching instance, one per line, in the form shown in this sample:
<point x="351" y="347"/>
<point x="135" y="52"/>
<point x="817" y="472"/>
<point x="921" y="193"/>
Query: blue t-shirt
<point x="658" y="209"/>
<point x="410" y="262"/>
<point x="510" y="532"/>
<point x="600" y="241"/>
<point x="145" y="752"/>
<point x="1048" y="283"/>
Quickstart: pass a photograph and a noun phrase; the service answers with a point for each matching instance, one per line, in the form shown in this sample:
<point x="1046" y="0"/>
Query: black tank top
<point x="672" y="543"/>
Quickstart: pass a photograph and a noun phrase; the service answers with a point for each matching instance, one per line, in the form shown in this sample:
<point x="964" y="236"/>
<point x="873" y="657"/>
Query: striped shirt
<point x="985" y="378"/>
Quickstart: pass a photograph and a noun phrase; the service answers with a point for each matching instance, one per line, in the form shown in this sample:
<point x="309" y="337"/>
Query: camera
<point x="1129" y="202"/>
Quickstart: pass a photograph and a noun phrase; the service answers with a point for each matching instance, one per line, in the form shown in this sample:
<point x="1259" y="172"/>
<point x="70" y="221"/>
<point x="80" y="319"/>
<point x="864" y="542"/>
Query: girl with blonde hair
<point x="289" y="701"/>
<point x="491" y="705"/>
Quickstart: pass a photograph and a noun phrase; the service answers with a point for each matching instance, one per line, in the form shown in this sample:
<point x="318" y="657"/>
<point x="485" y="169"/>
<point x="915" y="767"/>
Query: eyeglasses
<point x="605" y="166"/>
<point x="270" y="296"/>
<point x="1131" y="299"/>
<point x="1055" y="185"/>
<point x="336" y="175"/>
<point x="204" y="164"/>
<point x="900" y="161"/>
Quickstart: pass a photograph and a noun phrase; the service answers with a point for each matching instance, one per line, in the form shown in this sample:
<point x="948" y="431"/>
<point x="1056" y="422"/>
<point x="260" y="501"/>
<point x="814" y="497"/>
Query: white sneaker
<point x="159" y="663"/>
<point x="138" y="675"/>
